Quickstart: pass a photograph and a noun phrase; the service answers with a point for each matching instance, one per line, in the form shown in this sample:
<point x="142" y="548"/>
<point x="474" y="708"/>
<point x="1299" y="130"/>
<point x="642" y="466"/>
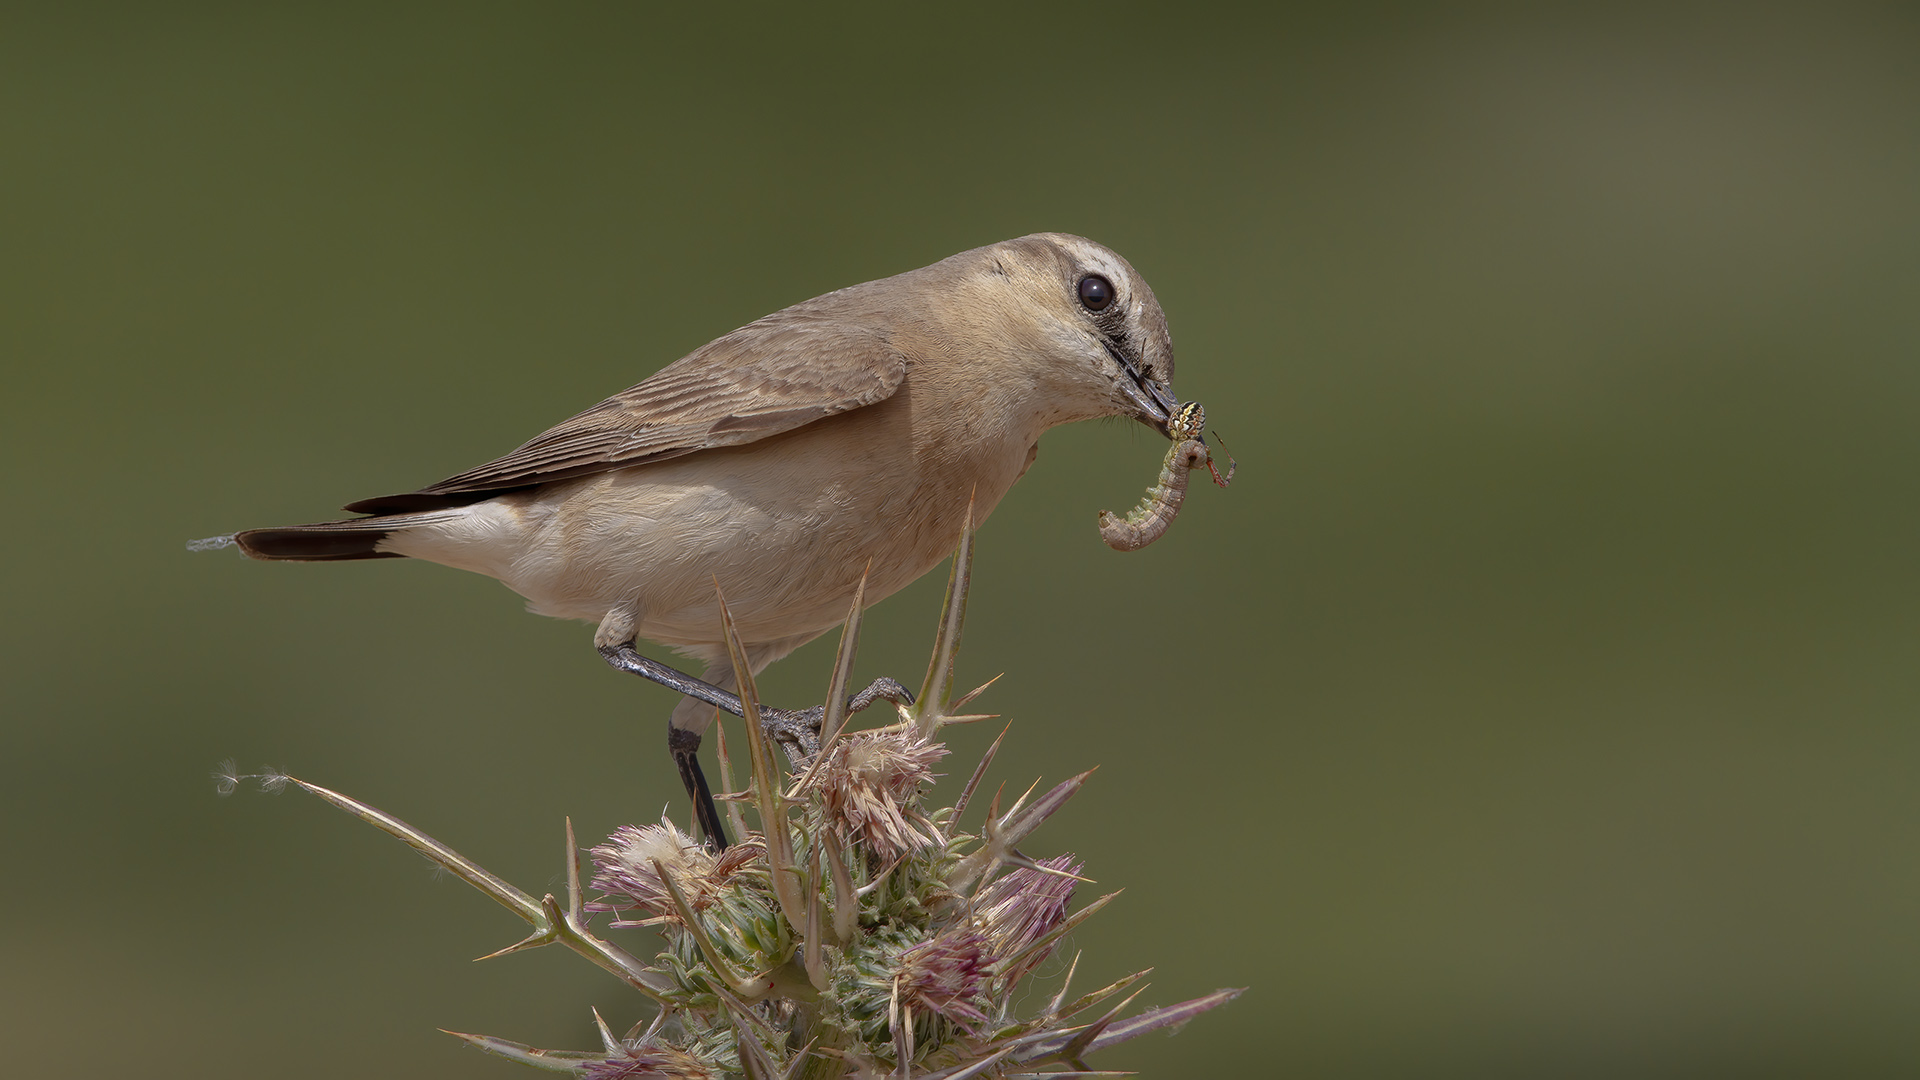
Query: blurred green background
<point x="1539" y="701"/>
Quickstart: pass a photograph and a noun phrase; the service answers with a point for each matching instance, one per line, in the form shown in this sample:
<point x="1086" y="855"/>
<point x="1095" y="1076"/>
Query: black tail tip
<point x="310" y="544"/>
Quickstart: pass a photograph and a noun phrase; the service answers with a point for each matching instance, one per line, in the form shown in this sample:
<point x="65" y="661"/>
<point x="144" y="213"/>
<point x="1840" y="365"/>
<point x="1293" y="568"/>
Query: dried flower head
<point x="627" y="871"/>
<point x="867" y="783"/>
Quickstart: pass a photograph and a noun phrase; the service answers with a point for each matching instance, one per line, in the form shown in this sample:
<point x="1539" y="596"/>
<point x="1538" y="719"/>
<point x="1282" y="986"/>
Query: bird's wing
<point x="771" y="376"/>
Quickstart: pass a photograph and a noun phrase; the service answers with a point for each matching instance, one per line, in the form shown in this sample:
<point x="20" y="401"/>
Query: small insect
<point x="1150" y="520"/>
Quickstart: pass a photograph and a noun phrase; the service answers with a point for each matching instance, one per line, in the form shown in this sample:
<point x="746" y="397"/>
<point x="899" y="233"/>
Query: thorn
<point x="531" y="941"/>
<point x="1059" y="999"/>
<point x="966" y="794"/>
<point x="977" y="691"/>
<point x="607" y="1040"/>
<point x="1024" y="861"/>
<point x="573" y="874"/>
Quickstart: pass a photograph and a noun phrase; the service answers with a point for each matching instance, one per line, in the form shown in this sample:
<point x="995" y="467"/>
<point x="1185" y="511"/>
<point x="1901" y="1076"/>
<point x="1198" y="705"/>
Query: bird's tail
<point x="331" y="541"/>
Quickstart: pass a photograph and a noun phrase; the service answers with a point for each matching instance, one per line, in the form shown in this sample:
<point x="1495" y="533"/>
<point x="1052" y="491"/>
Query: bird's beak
<point x="1152" y="399"/>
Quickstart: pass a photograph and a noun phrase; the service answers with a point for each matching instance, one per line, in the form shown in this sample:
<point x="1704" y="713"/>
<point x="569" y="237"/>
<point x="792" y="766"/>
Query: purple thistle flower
<point x="946" y="976"/>
<point x="1023" y="907"/>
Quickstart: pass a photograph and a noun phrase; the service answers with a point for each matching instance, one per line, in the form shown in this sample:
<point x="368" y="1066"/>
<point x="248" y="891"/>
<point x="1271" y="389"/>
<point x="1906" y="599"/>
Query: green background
<point x="1540" y="701"/>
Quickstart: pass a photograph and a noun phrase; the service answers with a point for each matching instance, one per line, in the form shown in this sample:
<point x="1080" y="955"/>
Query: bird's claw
<point x="881" y="689"/>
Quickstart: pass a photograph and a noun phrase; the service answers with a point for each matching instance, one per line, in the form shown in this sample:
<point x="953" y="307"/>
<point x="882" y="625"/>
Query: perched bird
<point x="847" y="433"/>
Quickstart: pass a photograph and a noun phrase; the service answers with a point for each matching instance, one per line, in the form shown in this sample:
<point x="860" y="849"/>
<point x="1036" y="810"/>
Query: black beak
<point x="1152" y="399"/>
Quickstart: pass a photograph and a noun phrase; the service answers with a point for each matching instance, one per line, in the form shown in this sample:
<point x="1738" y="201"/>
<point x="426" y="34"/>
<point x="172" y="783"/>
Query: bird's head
<point x="1076" y="322"/>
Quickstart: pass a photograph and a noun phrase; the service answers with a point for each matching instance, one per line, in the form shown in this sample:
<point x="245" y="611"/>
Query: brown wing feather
<point x="791" y="368"/>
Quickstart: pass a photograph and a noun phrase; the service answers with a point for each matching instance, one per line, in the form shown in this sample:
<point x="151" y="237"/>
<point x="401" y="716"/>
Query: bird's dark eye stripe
<point x="1096" y="292"/>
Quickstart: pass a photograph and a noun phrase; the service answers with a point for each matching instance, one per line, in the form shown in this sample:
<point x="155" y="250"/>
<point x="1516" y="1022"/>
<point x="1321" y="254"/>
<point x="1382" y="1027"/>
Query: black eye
<point x="1096" y="292"/>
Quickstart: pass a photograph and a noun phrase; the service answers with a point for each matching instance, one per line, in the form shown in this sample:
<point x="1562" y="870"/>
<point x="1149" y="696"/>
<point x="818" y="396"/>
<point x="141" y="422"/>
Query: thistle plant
<point x="858" y="932"/>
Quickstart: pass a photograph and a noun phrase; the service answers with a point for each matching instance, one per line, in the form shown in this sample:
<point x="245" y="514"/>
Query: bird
<point x="858" y="432"/>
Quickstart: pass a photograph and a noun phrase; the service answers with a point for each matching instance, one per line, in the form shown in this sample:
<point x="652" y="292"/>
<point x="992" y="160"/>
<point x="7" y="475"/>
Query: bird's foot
<point x="798" y="730"/>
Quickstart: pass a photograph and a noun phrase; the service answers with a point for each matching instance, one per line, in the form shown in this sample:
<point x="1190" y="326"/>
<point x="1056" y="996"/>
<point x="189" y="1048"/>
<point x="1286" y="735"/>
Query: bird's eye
<point x="1096" y="292"/>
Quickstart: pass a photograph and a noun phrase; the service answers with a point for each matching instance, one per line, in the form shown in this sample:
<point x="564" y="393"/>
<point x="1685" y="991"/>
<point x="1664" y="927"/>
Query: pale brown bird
<point x="849" y="431"/>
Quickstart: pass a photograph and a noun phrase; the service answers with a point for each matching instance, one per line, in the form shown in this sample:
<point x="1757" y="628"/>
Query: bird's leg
<point x="625" y="657"/>
<point x="685" y="746"/>
<point x="796" y="730"/>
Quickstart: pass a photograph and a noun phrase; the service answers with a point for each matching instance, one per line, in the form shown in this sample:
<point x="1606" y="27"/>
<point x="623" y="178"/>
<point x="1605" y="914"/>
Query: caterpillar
<point x="1150" y="520"/>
